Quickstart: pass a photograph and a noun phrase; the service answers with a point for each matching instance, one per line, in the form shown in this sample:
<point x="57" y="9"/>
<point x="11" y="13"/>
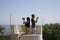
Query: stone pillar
<point x="14" y="32"/>
<point x="14" y="29"/>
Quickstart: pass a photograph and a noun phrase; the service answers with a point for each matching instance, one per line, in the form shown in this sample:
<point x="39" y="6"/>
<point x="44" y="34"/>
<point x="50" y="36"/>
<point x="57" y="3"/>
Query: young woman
<point x="27" y="24"/>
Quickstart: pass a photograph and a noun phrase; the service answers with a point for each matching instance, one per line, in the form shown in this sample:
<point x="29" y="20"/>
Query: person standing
<point x="33" y="21"/>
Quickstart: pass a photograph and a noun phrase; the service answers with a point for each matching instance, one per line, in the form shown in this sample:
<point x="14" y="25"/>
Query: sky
<point x="48" y="11"/>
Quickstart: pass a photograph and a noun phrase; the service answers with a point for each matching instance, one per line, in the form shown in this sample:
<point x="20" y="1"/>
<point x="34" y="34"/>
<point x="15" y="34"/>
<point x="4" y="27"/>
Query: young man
<point x="33" y="22"/>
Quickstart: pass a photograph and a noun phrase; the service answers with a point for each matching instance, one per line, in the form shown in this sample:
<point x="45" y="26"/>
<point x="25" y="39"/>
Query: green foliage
<point x="51" y="31"/>
<point x="1" y="30"/>
<point x="3" y="37"/>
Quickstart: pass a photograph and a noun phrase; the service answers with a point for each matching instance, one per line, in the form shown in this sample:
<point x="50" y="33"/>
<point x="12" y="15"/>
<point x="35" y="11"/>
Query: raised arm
<point x="23" y="20"/>
<point x="36" y="19"/>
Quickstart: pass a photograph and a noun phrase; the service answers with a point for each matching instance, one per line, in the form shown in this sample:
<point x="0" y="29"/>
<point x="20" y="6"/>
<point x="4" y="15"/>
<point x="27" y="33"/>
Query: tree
<point x="1" y="30"/>
<point x="1" y="33"/>
<point x="2" y="36"/>
<point x="51" y="31"/>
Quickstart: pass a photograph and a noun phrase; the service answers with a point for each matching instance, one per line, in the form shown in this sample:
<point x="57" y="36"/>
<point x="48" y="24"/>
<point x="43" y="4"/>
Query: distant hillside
<point x="7" y="29"/>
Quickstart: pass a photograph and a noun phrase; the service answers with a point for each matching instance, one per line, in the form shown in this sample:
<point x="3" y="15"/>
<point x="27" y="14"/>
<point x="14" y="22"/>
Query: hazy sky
<point x="46" y="10"/>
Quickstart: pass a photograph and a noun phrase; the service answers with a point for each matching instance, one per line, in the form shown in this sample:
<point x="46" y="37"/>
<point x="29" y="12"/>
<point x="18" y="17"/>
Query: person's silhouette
<point x="33" y="22"/>
<point x="27" y="24"/>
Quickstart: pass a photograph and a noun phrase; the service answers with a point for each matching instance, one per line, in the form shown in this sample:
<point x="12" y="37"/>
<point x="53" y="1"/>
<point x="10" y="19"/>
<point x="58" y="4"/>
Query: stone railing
<point x="16" y="31"/>
<point x="37" y="29"/>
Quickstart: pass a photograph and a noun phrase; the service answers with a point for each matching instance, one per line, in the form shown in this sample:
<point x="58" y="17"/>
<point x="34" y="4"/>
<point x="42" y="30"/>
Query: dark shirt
<point x="33" y="23"/>
<point x="27" y="24"/>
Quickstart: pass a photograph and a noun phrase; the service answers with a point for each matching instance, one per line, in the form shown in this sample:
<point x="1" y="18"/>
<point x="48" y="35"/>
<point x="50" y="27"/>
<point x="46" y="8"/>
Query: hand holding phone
<point x="37" y="18"/>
